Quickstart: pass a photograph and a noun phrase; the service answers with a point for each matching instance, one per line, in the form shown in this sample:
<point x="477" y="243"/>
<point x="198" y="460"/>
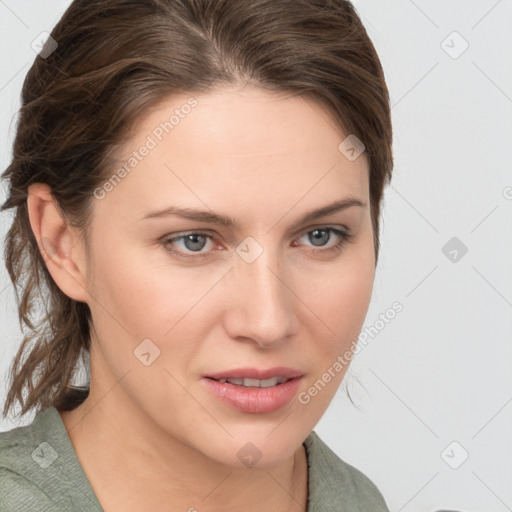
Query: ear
<point x="59" y="244"/>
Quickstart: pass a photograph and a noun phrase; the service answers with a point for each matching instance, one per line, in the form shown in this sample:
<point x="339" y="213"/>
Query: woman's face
<point x="267" y="290"/>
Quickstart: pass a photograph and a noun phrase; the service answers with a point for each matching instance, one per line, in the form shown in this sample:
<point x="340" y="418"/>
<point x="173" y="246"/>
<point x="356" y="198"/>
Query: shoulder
<point x="336" y="485"/>
<point x="27" y="449"/>
<point x="21" y="494"/>
<point x="38" y="467"/>
<point x="21" y="487"/>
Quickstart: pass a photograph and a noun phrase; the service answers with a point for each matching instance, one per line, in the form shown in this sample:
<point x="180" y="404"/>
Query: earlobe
<point x="57" y="242"/>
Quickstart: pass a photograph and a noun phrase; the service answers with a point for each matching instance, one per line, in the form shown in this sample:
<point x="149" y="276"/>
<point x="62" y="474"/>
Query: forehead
<point x="242" y="144"/>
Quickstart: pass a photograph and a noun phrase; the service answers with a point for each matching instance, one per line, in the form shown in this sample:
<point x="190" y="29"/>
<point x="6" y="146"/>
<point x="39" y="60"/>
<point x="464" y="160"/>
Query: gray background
<point x="440" y="371"/>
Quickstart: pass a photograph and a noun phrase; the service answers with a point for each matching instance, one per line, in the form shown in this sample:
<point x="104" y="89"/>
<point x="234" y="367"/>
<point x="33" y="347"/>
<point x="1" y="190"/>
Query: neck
<point x="132" y="464"/>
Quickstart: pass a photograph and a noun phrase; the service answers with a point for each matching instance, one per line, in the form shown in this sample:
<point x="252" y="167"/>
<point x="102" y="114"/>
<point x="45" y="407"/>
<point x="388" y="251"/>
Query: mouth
<point x="255" y="391"/>
<point x="256" y="374"/>
<point x="254" y="383"/>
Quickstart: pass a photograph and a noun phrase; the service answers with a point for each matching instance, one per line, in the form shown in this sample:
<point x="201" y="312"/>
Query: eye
<point x="191" y="244"/>
<point x="319" y="237"/>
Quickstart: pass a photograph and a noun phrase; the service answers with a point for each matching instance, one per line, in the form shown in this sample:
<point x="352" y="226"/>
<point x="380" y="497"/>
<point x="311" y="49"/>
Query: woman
<point x="197" y="190"/>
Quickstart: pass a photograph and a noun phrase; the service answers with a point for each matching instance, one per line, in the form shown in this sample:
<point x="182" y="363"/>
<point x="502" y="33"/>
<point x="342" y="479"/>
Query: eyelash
<point x="344" y="239"/>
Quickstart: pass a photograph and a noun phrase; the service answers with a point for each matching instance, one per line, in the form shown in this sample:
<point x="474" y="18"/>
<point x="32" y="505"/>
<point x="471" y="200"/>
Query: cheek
<point x="339" y="296"/>
<point x="152" y="298"/>
<point x="351" y="298"/>
<point x="341" y="304"/>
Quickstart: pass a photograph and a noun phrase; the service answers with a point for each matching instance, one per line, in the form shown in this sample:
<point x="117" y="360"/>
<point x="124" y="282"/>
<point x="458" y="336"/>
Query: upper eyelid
<point x="342" y="228"/>
<point x="302" y="231"/>
<point x="345" y="231"/>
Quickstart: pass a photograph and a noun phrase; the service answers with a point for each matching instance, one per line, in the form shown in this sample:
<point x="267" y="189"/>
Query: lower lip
<point x="254" y="400"/>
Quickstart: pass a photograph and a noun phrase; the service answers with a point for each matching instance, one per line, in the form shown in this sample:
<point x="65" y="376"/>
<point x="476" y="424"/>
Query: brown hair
<point x="114" y="60"/>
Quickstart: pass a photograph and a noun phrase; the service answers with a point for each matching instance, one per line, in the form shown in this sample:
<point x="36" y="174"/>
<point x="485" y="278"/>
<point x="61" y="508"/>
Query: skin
<point x="153" y="437"/>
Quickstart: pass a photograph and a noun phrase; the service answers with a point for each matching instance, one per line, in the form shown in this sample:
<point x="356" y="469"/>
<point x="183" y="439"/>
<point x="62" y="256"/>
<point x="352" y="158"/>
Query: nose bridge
<point x="262" y="276"/>
<point x="264" y="305"/>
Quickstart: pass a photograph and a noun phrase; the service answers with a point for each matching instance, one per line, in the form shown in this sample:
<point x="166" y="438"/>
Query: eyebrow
<point x="228" y="222"/>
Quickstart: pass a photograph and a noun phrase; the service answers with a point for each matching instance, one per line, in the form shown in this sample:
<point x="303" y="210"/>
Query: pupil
<point x="322" y="238"/>
<point x="195" y="245"/>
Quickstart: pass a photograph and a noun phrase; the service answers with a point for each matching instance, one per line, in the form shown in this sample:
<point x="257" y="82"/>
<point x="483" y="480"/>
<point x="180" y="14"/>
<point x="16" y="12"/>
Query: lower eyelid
<point x="342" y="236"/>
<point x="183" y="237"/>
<point x="338" y="233"/>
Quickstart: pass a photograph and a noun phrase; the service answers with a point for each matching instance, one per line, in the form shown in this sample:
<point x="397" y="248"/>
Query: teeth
<point x="255" y="383"/>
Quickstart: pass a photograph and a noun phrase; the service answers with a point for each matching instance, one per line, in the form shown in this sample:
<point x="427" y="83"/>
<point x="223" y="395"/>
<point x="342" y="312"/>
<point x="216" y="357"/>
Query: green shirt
<point x="39" y="471"/>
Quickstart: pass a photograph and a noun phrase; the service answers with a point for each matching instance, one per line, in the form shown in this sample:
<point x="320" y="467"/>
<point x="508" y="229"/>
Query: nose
<point x="261" y="305"/>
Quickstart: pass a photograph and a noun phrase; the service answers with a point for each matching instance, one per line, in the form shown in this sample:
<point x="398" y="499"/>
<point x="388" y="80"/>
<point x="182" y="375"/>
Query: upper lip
<point x="255" y="373"/>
